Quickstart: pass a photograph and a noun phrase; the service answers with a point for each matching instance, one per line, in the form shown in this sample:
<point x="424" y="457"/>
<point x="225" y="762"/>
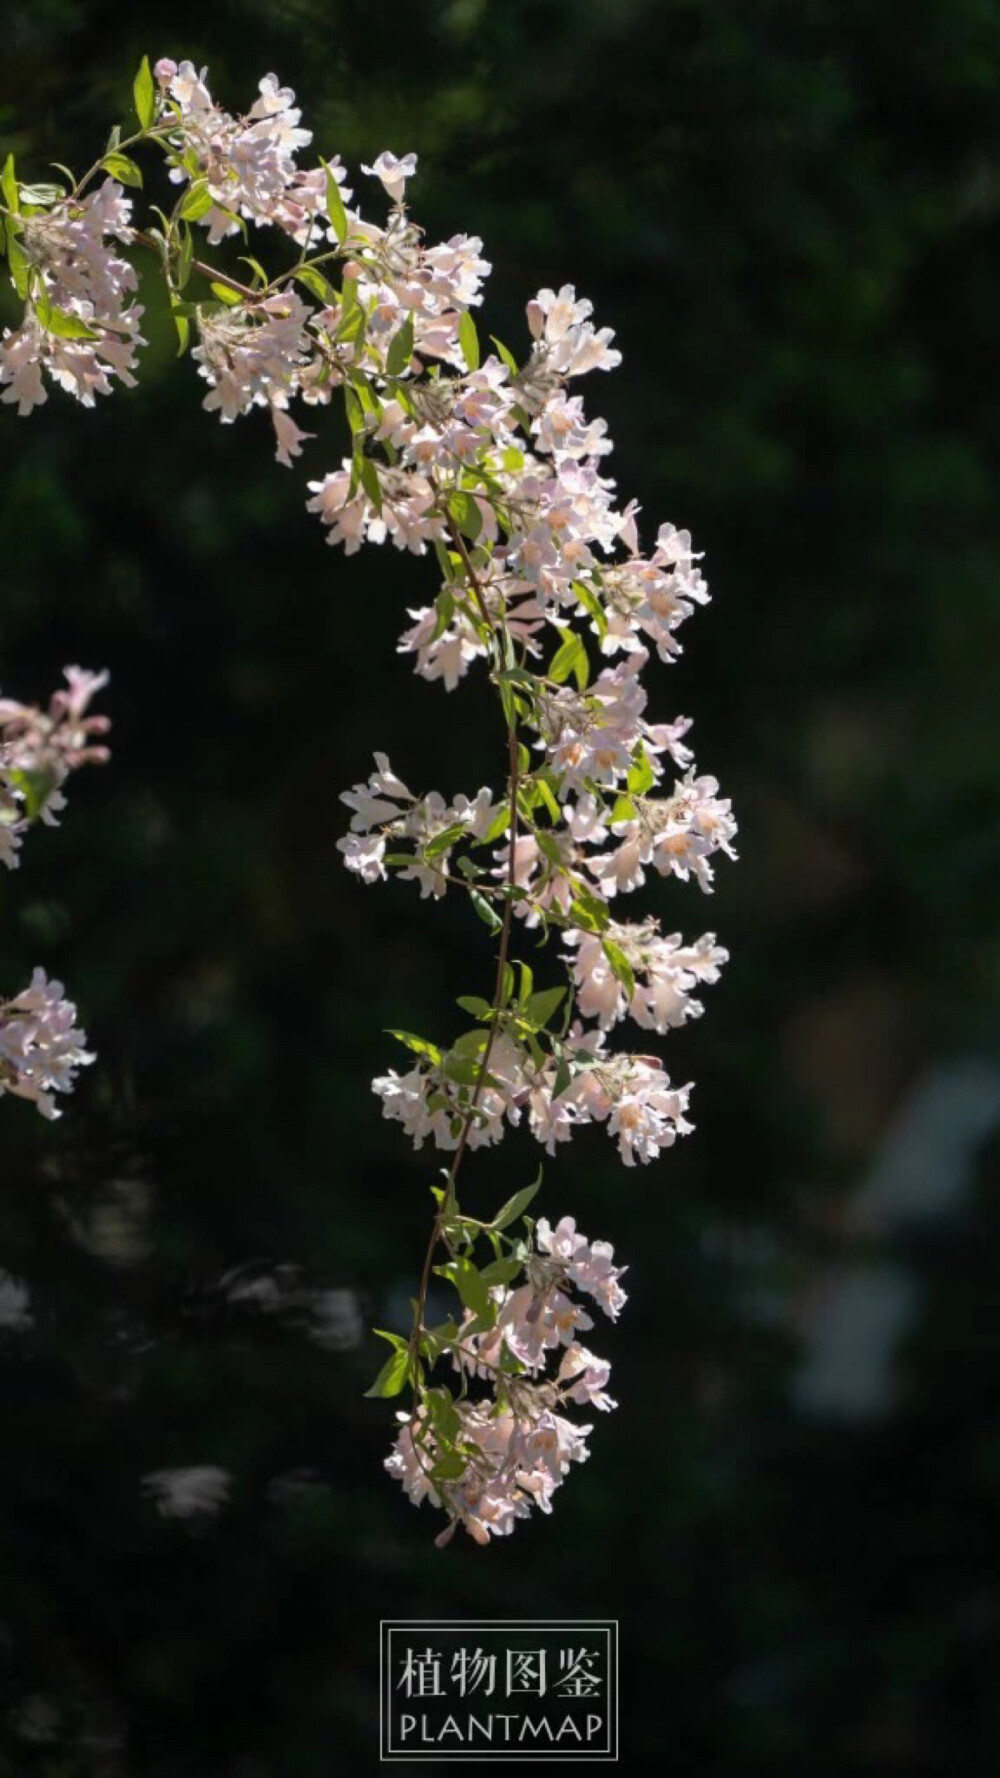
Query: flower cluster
<point x="40" y="1045"/>
<point x="38" y="750"/>
<point x="488" y="1460"/>
<point x="272" y="346"/>
<point x="490" y="465"/>
<point x="81" y="324"/>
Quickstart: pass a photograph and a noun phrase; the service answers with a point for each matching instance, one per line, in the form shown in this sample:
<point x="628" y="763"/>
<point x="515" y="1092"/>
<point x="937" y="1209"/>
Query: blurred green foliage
<point x="788" y="212"/>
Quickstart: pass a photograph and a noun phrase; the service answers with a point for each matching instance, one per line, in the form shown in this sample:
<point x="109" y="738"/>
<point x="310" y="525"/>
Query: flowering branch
<point x="493" y="468"/>
<point x="40" y="1045"/>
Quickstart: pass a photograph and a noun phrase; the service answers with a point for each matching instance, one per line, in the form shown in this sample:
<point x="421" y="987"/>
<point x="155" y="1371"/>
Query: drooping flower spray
<point x="488" y="461"/>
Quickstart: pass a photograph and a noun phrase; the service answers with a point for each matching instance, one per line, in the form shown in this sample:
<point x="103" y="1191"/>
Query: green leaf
<point x="542" y="1006"/>
<point x="185" y="257"/>
<point x="444" y="606"/>
<point x="588" y="912"/>
<point x="42" y="195"/>
<point x="8" y="185"/>
<point x="443" y="1414"/>
<point x="421" y="1046"/>
<point x="562" y="1079"/>
<point x="392" y="1378"/>
<point x="371" y="483"/>
<point x="434" y="1340"/>
<point x="395" y="1340"/>
<point x="231" y="298"/>
<point x="449" y="1467"/>
<point x="463" y="1070"/>
<point x="20" y="264"/>
<point x="313" y="280"/>
<point x="500" y="1271"/>
<point x="335" y="206"/>
<point x="475" y="1294"/>
<point x="259" y="275"/>
<point x="591" y="603"/>
<point x="468" y="340"/>
<point x="400" y="349"/>
<point x="351" y="327"/>
<point x="641" y="777"/>
<point x="61" y="324"/>
<point x="620" y="965"/>
<point x="517" y="1205"/>
<point x="144" y="94"/>
<point x="364" y="391"/>
<point x="196" y="202"/>
<point x="497" y="827"/>
<point x="475" y="1005"/>
<point x="443" y="842"/>
<point x="506" y="355"/>
<point x="464" y="509"/>
<point x="484" y="910"/>
<point x="353" y="409"/>
<point x="548" y="845"/>
<point x="35" y="788"/>
<point x="122" y="168"/>
<point x="545" y="792"/>
<point x="570" y="658"/>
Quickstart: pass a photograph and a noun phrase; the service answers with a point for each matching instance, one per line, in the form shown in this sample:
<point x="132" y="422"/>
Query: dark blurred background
<point x="787" y="212"/>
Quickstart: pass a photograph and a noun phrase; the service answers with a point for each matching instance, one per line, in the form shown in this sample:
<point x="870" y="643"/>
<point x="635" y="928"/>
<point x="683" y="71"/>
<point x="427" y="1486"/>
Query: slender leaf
<point x="392" y="1378"/>
<point x="517" y="1205"/>
<point x="335" y="206"/>
<point x="400" y="349"/>
<point x="421" y="1046"/>
<point x="8" y="185"/>
<point x="468" y="340"/>
<point x="570" y="658"/>
<point x="144" y="94"/>
<point x="620" y="965"/>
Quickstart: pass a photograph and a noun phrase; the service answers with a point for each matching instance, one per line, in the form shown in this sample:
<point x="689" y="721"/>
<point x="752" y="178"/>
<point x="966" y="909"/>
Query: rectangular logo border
<point x="610" y="1627"/>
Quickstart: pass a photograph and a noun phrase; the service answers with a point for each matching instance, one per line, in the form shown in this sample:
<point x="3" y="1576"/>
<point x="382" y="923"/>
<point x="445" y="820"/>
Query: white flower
<point x="584" y="1378"/>
<point x="665" y="972"/>
<point x="363" y="854"/>
<point x="589" y="1264"/>
<point x="393" y="173"/>
<point x="378" y="801"/>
